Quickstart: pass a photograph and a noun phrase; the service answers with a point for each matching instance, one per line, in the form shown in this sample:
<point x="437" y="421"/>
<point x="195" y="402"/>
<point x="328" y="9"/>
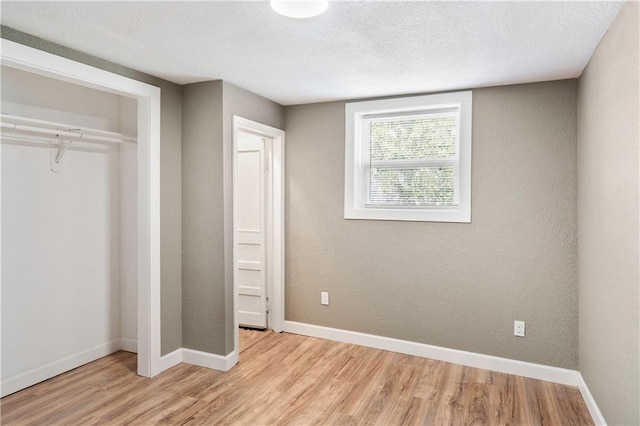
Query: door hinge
<point x="268" y="305"/>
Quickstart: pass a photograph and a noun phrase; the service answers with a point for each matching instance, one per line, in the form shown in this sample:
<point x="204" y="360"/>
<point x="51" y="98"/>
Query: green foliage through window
<point x="413" y="187"/>
<point x="414" y="138"/>
<point x="404" y="157"/>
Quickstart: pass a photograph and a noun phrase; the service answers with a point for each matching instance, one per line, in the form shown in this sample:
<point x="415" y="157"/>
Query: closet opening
<point x="79" y="217"/>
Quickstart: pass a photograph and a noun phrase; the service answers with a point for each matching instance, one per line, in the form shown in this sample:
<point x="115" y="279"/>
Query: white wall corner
<point x="129" y="345"/>
<point x="502" y="365"/>
<point x="595" y="412"/>
<point x="47" y="371"/>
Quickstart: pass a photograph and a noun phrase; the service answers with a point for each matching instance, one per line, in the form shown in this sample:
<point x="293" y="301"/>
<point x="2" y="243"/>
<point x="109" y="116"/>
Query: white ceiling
<point x="355" y="50"/>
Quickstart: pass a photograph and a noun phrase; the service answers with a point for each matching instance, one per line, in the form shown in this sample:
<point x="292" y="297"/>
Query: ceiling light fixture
<point x="299" y="8"/>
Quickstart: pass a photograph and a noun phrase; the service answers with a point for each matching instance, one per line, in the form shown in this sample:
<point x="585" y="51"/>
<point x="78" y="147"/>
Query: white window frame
<point x="354" y="189"/>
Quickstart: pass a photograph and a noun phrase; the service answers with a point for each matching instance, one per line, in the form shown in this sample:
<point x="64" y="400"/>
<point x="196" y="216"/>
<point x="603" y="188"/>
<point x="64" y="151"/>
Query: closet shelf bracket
<point x="56" y="153"/>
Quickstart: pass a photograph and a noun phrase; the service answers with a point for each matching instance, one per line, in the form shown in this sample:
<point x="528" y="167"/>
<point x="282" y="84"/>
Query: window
<point x="409" y="158"/>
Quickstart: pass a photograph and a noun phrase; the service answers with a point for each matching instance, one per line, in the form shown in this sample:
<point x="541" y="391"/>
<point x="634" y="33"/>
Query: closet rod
<point x="61" y="126"/>
<point x="41" y="127"/>
<point x="48" y="140"/>
<point x="63" y="134"/>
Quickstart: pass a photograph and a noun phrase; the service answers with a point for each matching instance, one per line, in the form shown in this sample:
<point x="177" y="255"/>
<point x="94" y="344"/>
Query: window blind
<point x="411" y="161"/>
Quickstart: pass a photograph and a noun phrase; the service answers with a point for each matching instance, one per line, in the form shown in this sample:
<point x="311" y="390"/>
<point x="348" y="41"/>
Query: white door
<point x="252" y="174"/>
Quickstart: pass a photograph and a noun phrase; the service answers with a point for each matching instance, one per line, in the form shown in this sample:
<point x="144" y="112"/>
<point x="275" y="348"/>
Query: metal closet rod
<point x="48" y="141"/>
<point x="60" y="130"/>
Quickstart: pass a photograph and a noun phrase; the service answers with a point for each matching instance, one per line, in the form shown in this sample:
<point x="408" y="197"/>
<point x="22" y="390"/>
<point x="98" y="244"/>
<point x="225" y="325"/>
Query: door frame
<point x="42" y="63"/>
<point x="275" y="244"/>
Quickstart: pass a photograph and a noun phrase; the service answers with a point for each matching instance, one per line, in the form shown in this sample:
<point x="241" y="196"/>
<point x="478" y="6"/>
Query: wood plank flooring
<point x="290" y="379"/>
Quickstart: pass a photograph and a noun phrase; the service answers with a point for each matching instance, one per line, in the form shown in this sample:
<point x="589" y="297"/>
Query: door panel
<point x="250" y="252"/>
<point x="250" y="231"/>
<point x="249" y="190"/>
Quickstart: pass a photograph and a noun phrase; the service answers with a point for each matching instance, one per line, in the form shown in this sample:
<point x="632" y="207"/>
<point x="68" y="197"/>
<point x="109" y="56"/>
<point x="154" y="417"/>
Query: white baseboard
<point x="232" y="360"/>
<point x="471" y="359"/>
<point x="595" y="412"/>
<point x="199" y="358"/>
<point x="39" y="374"/>
<point x="129" y="345"/>
<point x="189" y="356"/>
<point x="171" y="359"/>
<point x="205" y="359"/>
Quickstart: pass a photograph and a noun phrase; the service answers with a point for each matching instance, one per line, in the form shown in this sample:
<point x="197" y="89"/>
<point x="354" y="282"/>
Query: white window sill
<point x="440" y="215"/>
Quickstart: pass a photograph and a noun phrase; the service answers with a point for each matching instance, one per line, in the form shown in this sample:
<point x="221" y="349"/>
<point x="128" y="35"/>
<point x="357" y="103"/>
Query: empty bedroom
<point x="320" y="212"/>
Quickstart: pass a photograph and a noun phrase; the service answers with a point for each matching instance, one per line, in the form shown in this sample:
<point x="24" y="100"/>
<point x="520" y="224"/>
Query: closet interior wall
<point x="69" y="259"/>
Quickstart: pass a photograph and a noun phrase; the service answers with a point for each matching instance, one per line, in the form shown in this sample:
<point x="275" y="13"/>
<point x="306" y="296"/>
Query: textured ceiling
<point x="356" y="49"/>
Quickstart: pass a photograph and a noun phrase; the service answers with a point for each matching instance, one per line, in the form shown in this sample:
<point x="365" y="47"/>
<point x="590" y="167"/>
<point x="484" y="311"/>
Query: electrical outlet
<point x="324" y="297"/>
<point x="518" y="328"/>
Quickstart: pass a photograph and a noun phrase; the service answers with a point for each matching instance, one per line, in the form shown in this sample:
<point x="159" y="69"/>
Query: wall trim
<point x="129" y="345"/>
<point x="171" y="359"/>
<point x="231" y="360"/>
<point x="52" y="369"/>
<point x="488" y="362"/>
<point x="594" y="410"/>
<point x="199" y="358"/>
<point x="205" y="359"/>
<point x="225" y="363"/>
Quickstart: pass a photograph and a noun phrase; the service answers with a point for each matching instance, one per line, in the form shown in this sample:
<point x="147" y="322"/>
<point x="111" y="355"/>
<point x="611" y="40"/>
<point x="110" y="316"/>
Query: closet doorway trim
<point x="35" y="61"/>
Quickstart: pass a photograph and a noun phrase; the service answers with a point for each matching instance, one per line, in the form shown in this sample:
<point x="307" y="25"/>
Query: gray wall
<point x="171" y="217"/>
<point x="170" y="163"/>
<point x="207" y="190"/>
<point x="453" y="285"/>
<point x="203" y="314"/>
<point x="608" y="139"/>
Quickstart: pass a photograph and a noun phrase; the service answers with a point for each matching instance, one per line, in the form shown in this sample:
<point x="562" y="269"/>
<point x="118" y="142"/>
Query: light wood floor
<point x="289" y="379"/>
